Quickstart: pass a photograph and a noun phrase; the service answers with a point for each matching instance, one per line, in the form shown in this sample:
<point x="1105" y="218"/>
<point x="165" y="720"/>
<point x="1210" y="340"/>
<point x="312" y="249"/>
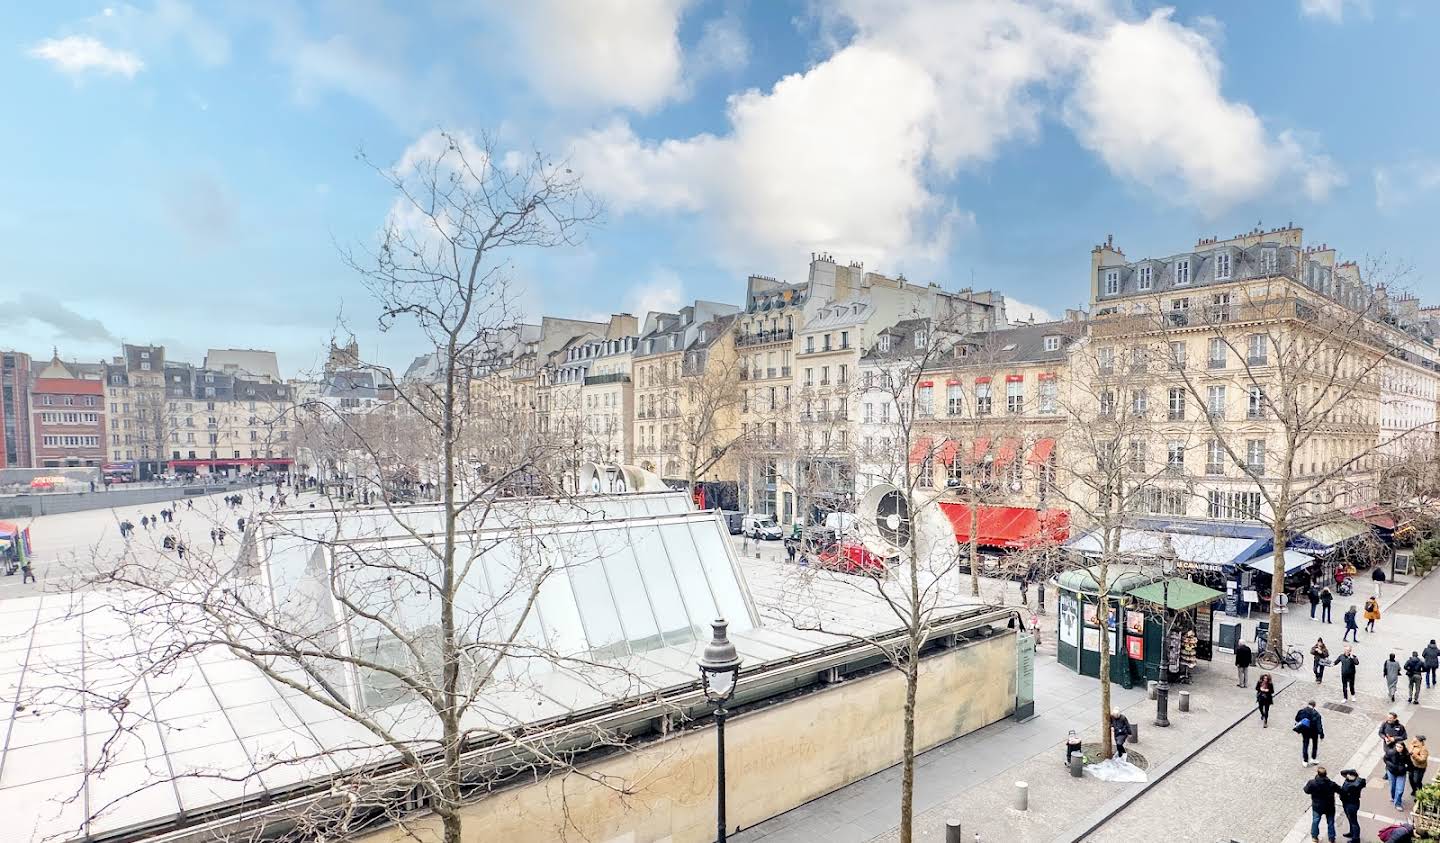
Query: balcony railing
<point x="614" y="377"/>
<point x="784" y="371"/>
<point x="1216" y="364"/>
<point x="1258" y="360"/>
<point x="1214" y="469"/>
<point x="764" y="337"/>
<point x="744" y="374"/>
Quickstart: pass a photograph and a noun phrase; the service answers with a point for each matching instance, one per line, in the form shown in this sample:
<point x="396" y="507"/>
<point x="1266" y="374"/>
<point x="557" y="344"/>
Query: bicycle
<point x="1292" y="658"/>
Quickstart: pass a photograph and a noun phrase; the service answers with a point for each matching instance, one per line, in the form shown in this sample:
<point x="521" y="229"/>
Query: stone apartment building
<point x="667" y="366"/>
<point x="67" y="415"/>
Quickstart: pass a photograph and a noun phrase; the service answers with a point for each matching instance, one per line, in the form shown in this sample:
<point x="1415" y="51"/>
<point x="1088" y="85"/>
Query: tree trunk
<point x="907" y="778"/>
<point x="1277" y="580"/>
<point x="975" y="548"/>
<point x="1107" y="747"/>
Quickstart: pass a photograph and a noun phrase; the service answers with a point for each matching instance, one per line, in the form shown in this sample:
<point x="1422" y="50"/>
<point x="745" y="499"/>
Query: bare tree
<point x="708" y="426"/>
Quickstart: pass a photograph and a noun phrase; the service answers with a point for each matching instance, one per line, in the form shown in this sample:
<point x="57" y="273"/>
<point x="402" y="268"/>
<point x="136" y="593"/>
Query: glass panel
<point x="560" y="615"/>
<point x="711" y="552"/>
<point x="592" y="596"/>
<point x="629" y="590"/>
<point x="676" y="625"/>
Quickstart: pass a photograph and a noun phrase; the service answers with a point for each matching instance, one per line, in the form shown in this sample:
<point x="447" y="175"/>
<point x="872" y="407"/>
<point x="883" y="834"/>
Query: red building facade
<point x="67" y="417"/>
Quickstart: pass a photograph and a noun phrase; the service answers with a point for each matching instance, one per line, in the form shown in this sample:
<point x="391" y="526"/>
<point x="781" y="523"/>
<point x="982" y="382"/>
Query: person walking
<point x="145" y="521"/>
<point x="1378" y="575"/>
<point x="1326" y="598"/>
<point x="1351" y="785"/>
<point x="1352" y="626"/>
<point x="1397" y="770"/>
<point x="220" y="534"/>
<point x="1414" y="668"/>
<point x="1025" y="590"/>
<point x="212" y="536"/>
<point x="1243" y="659"/>
<point x="1311" y="728"/>
<point x="1120" y="730"/>
<point x="26" y="573"/>
<point x="1348" y="662"/>
<point x="1391" y="730"/>
<point x="1419" y="760"/>
<point x="1322" y="792"/>
<point x="1391" y="670"/>
<point x="1372" y="613"/>
<point x="1264" y="698"/>
<point x="1431" y="655"/>
<point x="1313" y="594"/>
<point x="1040" y="596"/>
<point x="1320" y="656"/>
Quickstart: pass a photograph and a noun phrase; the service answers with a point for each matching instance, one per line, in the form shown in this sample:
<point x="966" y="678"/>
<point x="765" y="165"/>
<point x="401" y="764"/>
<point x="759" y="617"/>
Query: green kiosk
<point x="1143" y="610"/>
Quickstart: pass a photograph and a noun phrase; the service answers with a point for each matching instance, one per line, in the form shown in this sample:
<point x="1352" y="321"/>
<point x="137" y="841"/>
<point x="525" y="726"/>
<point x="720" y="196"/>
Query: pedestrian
<point x="1243" y="658"/>
<point x="26" y="574"/>
<point x="1326" y="598"/>
<point x="1397" y="770"/>
<point x="1431" y="655"/>
<point x="1414" y="668"/>
<point x="1120" y="729"/>
<point x="1322" y="792"/>
<point x="1314" y="596"/>
<point x="1040" y="596"/>
<point x="1320" y="656"/>
<point x="1391" y="670"/>
<point x="1311" y="728"/>
<point x="1025" y="590"/>
<point x="790" y="548"/>
<point x="189" y="504"/>
<point x="180" y="549"/>
<point x="1352" y="625"/>
<point x="1264" y="698"/>
<point x="1350" y="787"/>
<point x="1372" y="613"/>
<point x="145" y="521"/>
<point x="240" y="523"/>
<point x="1419" y="760"/>
<point x="220" y="532"/>
<point x="1072" y="746"/>
<point x="1391" y="730"/>
<point x="1347" y="661"/>
<point x="1378" y="575"/>
<point x="212" y="536"/>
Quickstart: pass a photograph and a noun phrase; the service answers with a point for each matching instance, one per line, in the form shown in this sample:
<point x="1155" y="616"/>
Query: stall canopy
<point x="1009" y="526"/>
<point x="1335" y="533"/>
<point x="1193" y="551"/>
<point x="1178" y="595"/>
<point x="1294" y="560"/>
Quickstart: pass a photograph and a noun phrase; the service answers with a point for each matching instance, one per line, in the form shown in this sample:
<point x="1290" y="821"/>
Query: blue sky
<point x="183" y="173"/>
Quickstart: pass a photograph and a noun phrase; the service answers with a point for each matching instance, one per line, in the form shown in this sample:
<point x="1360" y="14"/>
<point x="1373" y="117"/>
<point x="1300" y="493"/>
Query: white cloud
<point x="722" y="47"/>
<point x="663" y="293"/>
<point x="1399" y="185"/>
<point x="1019" y="311"/>
<point x="165" y="21"/>
<point x="599" y="53"/>
<point x="1175" y="132"/>
<point x="1333" y="10"/>
<point x="846" y="157"/>
<point x="77" y="55"/>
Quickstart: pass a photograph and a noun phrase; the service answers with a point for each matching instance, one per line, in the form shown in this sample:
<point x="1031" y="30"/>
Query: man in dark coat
<point x="1431" y="655"/>
<point x="1322" y="792"/>
<point x="1414" y="668"/>
<point x="1314" y="594"/>
<point x="1120" y="729"/>
<point x="1326" y="598"/>
<point x="1347" y="661"/>
<point x="1243" y="659"/>
<point x="1392" y="730"/>
<point x="1311" y="728"/>
<point x="1350" y="786"/>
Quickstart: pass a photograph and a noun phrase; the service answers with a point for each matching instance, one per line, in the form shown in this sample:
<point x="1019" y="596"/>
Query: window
<point x="1138" y="357"/>
<point x="867" y="380"/>
<point x="1215" y="402"/>
<point x="1052" y="343"/>
<point x="885" y="412"/>
<point x="824" y="375"/>
<point x="1257" y="350"/>
<point x="1182" y="272"/>
<point x="1177" y="403"/>
<point x="1137" y="456"/>
<point x="1106" y="359"/>
<point x="884" y="343"/>
<point x="1048" y="394"/>
<point x="1214" y="458"/>
<point x="1177" y="355"/>
<point x="1255" y="455"/>
<point x="809" y="344"/>
<point x="869" y="412"/>
<point x="954" y="399"/>
<point x="842" y="374"/>
<point x="925" y="400"/>
<point x="1216" y="358"/>
<point x="982" y="398"/>
<point x="1175" y="458"/>
<point x="1014" y="396"/>
<point x="1233" y="505"/>
<point x="1269" y="261"/>
<point x="1139" y="402"/>
<point x="809" y="376"/>
<point x="1145" y="278"/>
<point x="844" y="339"/>
<point x="1219" y="310"/>
<point x="922" y="339"/>
<point x="827" y="342"/>
<point x="1112" y="282"/>
<point x="1107" y="404"/>
<point x="926" y="472"/>
<point x="1255" y="408"/>
<point x="1222" y="265"/>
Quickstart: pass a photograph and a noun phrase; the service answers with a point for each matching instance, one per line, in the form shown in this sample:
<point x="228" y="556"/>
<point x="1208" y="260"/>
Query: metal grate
<point x="1340" y="707"/>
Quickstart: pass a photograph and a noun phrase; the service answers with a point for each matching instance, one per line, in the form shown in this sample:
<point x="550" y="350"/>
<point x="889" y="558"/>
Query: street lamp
<point x="719" y="670"/>
<point x="1168" y="566"/>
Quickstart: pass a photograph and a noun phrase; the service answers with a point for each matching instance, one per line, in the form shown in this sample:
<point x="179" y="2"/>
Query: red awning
<point x="1006" y="452"/>
<point x="947" y="451"/>
<point x="1009" y="526"/>
<point x="1040" y="454"/>
<point x="978" y="451"/>
<point x="221" y="463"/>
<point x="920" y="450"/>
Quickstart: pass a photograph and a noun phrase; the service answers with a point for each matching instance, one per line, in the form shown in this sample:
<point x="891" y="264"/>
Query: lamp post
<point x="1168" y="567"/>
<point x="719" y="670"/>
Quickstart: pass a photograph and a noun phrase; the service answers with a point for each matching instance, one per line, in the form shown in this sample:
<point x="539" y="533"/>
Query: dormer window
<point x="1112" y="282"/>
<point x="1269" y="261"/>
<point x="884" y="343"/>
<point x="1182" y="271"/>
<point x="1144" y="279"/>
<point x="922" y="339"/>
<point x="1052" y="343"/>
<point x="1222" y="266"/>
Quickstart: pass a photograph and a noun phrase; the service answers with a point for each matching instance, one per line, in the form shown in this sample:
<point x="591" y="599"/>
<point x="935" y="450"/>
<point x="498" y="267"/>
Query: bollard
<point x="1134" y="733"/>
<point x="1077" y="765"/>
<point x="1150" y="688"/>
<point x="1022" y="796"/>
<point x="952" y="831"/>
<point x="1184" y="700"/>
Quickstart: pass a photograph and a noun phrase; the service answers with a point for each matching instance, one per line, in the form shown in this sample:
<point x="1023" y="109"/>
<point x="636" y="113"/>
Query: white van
<point x="761" y="526"/>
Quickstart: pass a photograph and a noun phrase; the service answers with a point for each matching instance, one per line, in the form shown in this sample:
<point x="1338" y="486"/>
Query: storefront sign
<point x="1135" y="646"/>
<point x="1024" y="676"/>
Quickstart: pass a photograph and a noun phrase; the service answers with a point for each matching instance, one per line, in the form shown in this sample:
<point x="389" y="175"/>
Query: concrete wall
<point x="778" y="758"/>
<point x="30" y="506"/>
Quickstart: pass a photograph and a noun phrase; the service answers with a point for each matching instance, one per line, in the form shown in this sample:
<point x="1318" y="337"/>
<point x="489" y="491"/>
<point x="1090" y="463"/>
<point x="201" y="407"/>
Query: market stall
<point x="1184" y="613"/>
<point x="14" y="546"/>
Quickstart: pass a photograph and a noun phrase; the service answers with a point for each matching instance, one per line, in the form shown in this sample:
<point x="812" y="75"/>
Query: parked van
<point x="761" y="526"/>
<point x="734" y="520"/>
